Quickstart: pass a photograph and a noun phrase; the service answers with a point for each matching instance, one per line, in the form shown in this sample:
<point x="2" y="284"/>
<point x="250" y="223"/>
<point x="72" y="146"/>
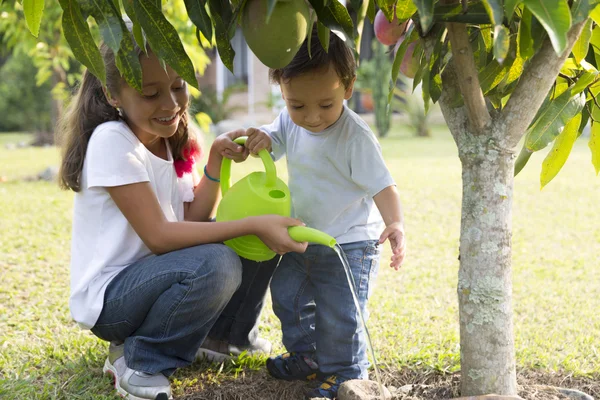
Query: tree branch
<point x="468" y="79"/>
<point x="455" y="117"/>
<point x="534" y="84"/>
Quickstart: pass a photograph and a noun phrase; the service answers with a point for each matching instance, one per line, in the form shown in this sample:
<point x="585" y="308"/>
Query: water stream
<point x="352" y="285"/>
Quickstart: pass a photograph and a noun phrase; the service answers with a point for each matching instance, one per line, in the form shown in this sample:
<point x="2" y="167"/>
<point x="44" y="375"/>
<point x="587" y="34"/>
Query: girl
<point x="147" y="273"/>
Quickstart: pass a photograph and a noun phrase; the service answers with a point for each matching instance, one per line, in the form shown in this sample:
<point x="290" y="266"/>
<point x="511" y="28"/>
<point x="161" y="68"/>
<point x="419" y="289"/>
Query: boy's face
<point x="156" y="112"/>
<point x="315" y="100"/>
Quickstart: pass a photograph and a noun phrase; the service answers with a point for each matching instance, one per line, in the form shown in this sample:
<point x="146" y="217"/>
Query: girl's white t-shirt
<point x="103" y="241"/>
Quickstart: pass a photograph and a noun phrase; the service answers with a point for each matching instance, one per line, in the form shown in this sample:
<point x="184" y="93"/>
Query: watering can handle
<point x="266" y="159"/>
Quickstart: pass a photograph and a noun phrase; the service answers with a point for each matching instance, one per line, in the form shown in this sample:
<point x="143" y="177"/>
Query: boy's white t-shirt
<point x="103" y="241"/>
<point x="333" y="175"/>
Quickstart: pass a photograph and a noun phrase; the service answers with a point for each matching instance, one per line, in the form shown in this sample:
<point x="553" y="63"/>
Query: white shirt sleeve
<point x="112" y="159"/>
<point x="367" y="166"/>
<point x="276" y="130"/>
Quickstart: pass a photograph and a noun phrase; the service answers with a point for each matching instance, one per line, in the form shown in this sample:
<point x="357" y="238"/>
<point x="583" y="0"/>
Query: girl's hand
<point x="272" y="230"/>
<point x="395" y="233"/>
<point x="224" y="146"/>
<point x="257" y="140"/>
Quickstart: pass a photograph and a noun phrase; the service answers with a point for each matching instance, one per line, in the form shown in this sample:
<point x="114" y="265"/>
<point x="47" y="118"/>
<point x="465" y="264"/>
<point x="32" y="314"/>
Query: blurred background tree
<point x="35" y="105"/>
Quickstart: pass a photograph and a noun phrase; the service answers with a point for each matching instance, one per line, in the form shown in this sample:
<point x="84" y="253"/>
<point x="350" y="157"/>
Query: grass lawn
<point x="414" y="312"/>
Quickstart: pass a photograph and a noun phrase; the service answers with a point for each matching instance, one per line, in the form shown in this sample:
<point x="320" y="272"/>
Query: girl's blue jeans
<point x="312" y="299"/>
<point x="164" y="306"/>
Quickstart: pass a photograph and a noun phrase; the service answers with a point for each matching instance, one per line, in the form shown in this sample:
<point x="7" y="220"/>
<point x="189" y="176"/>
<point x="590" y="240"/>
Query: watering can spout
<point x="305" y="234"/>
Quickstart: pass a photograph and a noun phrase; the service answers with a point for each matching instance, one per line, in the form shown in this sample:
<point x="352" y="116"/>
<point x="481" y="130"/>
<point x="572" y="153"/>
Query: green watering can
<point x="260" y="193"/>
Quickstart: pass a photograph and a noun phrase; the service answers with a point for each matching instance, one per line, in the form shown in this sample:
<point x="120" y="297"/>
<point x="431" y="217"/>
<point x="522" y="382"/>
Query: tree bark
<point x="484" y="282"/>
<point x="485" y="279"/>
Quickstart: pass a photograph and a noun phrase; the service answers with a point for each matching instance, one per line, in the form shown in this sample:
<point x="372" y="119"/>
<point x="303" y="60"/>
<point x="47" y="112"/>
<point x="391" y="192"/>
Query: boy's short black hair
<point x="339" y="56"/>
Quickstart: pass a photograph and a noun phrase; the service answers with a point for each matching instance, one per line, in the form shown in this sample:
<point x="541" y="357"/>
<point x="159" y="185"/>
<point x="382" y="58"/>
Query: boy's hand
<point x="257" y="140"/>
<point x="395" y="233"/>
<point x="224" y="146"/>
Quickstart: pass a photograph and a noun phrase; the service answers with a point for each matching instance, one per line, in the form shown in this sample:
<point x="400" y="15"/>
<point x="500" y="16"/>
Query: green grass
<point x="414" y="312"/>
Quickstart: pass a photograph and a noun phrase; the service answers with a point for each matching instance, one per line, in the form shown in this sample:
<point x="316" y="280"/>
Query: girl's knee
<point x="227" y="268"/>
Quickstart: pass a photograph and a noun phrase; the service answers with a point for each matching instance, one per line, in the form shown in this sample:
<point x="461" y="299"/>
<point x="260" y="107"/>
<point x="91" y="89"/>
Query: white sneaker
<point x="135" y="385"/>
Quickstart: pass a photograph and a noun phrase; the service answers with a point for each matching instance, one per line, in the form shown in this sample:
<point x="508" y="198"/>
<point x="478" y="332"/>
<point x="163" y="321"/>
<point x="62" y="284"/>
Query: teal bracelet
<point x="210" y="177"/>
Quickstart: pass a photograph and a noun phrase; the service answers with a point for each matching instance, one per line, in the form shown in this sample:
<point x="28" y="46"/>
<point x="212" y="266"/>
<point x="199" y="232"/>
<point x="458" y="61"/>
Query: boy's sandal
<point x="292" y="367"/>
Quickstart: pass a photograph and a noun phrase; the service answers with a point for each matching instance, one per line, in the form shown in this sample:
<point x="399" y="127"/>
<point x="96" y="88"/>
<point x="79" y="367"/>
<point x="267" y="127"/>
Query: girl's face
<point x="156" y="112"/>
<point x="315" y="99"/>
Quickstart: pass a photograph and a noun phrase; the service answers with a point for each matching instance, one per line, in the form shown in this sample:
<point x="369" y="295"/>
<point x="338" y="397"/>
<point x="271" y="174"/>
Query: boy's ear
<point x="349" y="89"/>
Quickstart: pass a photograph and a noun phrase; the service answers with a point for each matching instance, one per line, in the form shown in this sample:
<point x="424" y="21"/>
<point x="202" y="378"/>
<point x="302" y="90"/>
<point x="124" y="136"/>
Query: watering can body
<point x="259" y="193"/>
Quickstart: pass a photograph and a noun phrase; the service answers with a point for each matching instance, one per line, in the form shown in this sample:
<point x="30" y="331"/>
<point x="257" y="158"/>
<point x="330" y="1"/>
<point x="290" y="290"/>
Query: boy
<point x="339" y="184"/>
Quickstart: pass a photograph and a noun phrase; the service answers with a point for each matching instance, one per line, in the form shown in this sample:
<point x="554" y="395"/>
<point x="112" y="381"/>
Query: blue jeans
<point x="312" y="299"/>
<point x="164" y="306"/>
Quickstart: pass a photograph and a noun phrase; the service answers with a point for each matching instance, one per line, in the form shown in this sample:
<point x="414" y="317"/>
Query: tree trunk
<point x="484" y="282"/>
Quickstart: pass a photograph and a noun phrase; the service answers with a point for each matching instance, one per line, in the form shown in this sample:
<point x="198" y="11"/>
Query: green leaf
<point x="108" y="19"/>
<point x="33" y="10"/>
<point x="138" y="33"/>
<point x="522" y="159"/>
<point x="494" y="10"/>
<point x="405" y="9"/>
<point x="323" y="34"/>
<point x="78" y="35"/>
<point x="491" y="75"/>
<point x="516" y="69"/>
<point x="476" y="14"/>
<point x="410" y="36"/>
<point x="128" y="61"/>
<point x="595" y="15"/>
<point x="425" y="8"/>
<point x="311" y="24"/>
<point x="164" y="40"/>
<point x="501" y="43"/>
<point x="586" y="79"/>
<point x="581" y="47"/>
<point x="525" y="41"/>
<point x="434" y="85"/>
<point x="555" y="16"/>
<point x="561" y="149"/>
<point x="226" y="52"/>
<point x="580" y="10"/>
<point x="425" y="89"/>
<point x="509" y="8"/>
<point x="196" y="10"/>
<point x="552" y="119"/>
<point x="334" y="16"/>
<point x="387" y="7"/>
<point x="371" y="10"/>
<point x="594" y="145"/>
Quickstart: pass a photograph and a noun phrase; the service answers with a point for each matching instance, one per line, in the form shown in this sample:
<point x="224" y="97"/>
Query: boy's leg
<point x="238" y="323"/>
<point x="341" y="340"/>
<point x="163" y="306"/>
<point x="293" y="297"/>
<point x="293" y="303"/>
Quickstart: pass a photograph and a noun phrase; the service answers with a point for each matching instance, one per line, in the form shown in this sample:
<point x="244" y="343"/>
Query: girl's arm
<point x="208" y="193"/>
<point x="139" y="205"/>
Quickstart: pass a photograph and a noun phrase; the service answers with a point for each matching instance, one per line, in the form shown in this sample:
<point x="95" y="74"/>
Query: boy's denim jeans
<point x="164" y="306"/>
<point x="312" y="299"/>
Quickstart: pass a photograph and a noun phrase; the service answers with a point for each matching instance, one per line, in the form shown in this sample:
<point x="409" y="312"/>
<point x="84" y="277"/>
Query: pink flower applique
<point x="191" y="153"/>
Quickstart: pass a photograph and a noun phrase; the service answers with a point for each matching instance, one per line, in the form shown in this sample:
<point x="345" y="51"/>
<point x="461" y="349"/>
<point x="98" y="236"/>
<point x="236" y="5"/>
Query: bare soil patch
<point x="533" y="385"/>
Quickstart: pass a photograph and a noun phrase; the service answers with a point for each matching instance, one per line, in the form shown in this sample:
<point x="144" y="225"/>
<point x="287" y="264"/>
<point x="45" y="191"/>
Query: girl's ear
<point x="112" y="101"/>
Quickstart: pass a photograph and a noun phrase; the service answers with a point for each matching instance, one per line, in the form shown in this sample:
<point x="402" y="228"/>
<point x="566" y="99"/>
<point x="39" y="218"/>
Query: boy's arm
<point x="388" y="203"/>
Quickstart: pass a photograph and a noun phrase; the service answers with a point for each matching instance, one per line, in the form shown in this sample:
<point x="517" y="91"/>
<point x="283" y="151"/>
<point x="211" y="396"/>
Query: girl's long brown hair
<point x="90" y="108"/>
